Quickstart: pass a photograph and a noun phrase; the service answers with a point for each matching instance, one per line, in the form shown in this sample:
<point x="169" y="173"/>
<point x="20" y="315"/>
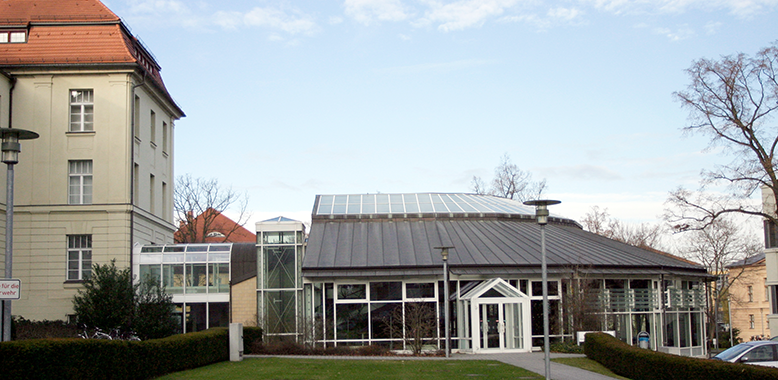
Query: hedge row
<point x="111" y="359"/>
<point x="641" y="364"/>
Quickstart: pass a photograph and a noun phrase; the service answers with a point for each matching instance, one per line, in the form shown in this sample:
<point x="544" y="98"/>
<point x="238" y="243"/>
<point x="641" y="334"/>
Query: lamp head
<point x="10" y="145"/>
<point x="541" y="209"/>
<point x="444" y="252"/>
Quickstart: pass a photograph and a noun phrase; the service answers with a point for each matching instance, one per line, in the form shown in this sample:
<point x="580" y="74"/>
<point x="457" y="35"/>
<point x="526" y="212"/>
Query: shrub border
<point x="641" y="364"/>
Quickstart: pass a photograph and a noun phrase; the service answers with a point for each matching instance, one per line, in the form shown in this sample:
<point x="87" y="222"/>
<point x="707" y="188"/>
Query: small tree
<point x="642" y="235"/>
<point x="106" y="301"/>
<point x="416" y="322"/>
<point x="111" y="300"/>
<point x="580" y="300"/>
<point x="153" y="310"/>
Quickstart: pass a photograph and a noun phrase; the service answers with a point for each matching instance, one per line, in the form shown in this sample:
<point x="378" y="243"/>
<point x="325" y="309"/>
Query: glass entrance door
<point x="501" y="326"/>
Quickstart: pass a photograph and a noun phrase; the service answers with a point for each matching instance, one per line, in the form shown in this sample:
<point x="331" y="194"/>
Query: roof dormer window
<point x="13" y="36"/>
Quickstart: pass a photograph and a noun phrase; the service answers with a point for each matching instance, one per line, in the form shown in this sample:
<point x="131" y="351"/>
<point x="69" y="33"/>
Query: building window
<point x="164" y="137"/>
<point x="153" y="121"/>
<point x="135" y="186"/>
<point x="751" y="321"/>
<point x="13" y="36"/>
<point x="750" y="293"/>
<point x="80" y="182"/>
<point x="81" y="110"/>
<point x="152" y="196"/>
<point x="136" y="118"/>
<point x="164" y="200"/>
<point x="79" y="257"/>
<point x="770" y="234"/>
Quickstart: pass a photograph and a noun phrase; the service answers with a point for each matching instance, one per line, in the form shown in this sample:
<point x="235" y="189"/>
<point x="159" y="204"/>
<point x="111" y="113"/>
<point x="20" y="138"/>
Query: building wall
<point x="745" y="306"/>
<point x="243" y="299"/>
<point x="125" y="209"/>
<point x="771" y="265"/>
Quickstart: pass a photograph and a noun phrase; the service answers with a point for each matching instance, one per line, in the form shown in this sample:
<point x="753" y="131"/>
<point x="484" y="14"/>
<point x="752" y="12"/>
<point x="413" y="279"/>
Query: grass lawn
<point x="321" y="369"/>
<point x="589" y="365"/>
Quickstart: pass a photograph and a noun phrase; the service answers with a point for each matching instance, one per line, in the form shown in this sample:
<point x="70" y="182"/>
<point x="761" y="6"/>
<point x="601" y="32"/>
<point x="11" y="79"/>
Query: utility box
<point x="236" y="342"/>
<point x="643" y="340"/>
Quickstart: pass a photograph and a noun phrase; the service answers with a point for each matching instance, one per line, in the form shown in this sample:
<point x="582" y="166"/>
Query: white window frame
<point x="80" y="182"/>
<point x="13" y="36"/>
<point x="82" y="110"/>
<point x="79" y="259"/>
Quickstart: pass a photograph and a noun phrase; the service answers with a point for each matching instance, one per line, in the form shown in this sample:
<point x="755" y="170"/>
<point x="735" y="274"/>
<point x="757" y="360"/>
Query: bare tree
<point x="643" y="235"/>
<point x="580" y="300"/>
<point x="416" y="323"/>
<point x="717" y="245"/>
<point x="198" y="204"/>
<point x="731" y="100"/>
<point x="510" y="182"/>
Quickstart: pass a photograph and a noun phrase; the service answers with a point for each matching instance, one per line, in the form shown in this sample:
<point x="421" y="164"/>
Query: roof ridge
<point x="18" y="12"/>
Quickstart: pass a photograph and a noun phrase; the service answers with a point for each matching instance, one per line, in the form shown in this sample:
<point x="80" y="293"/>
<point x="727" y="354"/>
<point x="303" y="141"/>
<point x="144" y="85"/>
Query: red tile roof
<point x="22" y="12"/>
<point x="72" y="32"/>
<point x="70" y="44"/>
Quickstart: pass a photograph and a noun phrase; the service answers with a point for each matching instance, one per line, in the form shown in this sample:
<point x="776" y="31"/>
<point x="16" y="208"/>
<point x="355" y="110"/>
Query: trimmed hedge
<point x="111" y="359"/>
<point x="641" y="364"/>
<point x="251" y="337"/>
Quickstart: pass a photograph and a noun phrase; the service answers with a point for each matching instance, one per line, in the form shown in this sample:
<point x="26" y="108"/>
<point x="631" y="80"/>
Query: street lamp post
<point x="444" y="253"/>
<point x="10" y="156"/>
<point x="541" y="213"/>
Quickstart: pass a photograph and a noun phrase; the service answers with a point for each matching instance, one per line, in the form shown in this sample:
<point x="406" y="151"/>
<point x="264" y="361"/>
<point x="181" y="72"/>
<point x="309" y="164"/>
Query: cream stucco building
<point x="749" y="303"/>
<point x="99" y="180"/>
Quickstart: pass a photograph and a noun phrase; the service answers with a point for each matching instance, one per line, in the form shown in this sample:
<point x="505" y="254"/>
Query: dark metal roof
<point x="748" y="260"/>
<point x="483" y="245"/>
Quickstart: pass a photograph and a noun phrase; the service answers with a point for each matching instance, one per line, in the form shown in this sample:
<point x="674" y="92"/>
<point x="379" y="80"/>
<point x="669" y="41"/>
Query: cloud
<point x="158" y="6"/>
<point x="740" y="8"/>
<point x="463" y="14"/>
<point x="564" y="14"/>
<point x="369" y="11"/>
<point x="270" y="18"/>
<point x="712" y="27"/>
<point x="682" y="33"/>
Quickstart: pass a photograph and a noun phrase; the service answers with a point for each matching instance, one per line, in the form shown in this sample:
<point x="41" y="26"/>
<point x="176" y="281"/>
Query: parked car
<point x="759" y="352"/>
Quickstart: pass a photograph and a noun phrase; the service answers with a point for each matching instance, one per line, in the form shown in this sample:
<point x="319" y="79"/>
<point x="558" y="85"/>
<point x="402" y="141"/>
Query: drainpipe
<point x="132" y="166"/>
<point x="11" y="101"/>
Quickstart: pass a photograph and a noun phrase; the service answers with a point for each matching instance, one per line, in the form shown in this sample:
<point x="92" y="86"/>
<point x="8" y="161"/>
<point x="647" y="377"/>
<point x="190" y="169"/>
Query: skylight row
<point x="362" y="204"/>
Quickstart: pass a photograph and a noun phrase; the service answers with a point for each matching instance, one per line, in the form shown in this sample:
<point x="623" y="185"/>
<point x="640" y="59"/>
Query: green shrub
<point x="566" y="347"/>
<point x="251" y="337"/>
<point x="111" y="359"/>
<point x="23" y="329"/>
<point x="641" y="364"/>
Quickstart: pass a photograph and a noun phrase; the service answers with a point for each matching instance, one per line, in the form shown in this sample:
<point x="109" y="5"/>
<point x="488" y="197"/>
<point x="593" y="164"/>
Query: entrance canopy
<point x="493" y="288"/>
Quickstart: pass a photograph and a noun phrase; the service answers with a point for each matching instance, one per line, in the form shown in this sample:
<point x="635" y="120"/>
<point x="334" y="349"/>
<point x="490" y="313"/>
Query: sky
<point x="285" y="100"/>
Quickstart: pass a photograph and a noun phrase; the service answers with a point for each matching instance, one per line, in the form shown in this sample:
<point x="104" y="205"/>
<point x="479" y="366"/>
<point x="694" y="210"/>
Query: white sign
<point x="10" y="289"/>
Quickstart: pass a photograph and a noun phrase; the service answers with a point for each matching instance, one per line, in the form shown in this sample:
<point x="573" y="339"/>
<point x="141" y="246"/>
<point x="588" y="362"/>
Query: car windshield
<point x="732" y="352"/>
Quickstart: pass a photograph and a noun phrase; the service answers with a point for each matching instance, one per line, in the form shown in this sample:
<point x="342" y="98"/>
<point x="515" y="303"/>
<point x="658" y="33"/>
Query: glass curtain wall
<point x="198" y="277"/>
<point x="279" y="296"/>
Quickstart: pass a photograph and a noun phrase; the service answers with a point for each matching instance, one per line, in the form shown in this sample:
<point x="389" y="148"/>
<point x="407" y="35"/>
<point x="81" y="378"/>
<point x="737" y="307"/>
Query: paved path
<point x="530" y="361"/>
<point x="535" y="362"/>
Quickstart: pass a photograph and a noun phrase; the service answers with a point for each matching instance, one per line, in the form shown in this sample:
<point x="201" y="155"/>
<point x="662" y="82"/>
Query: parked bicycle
<point x="95" y="333"/>
<point x="115" y="334"/>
